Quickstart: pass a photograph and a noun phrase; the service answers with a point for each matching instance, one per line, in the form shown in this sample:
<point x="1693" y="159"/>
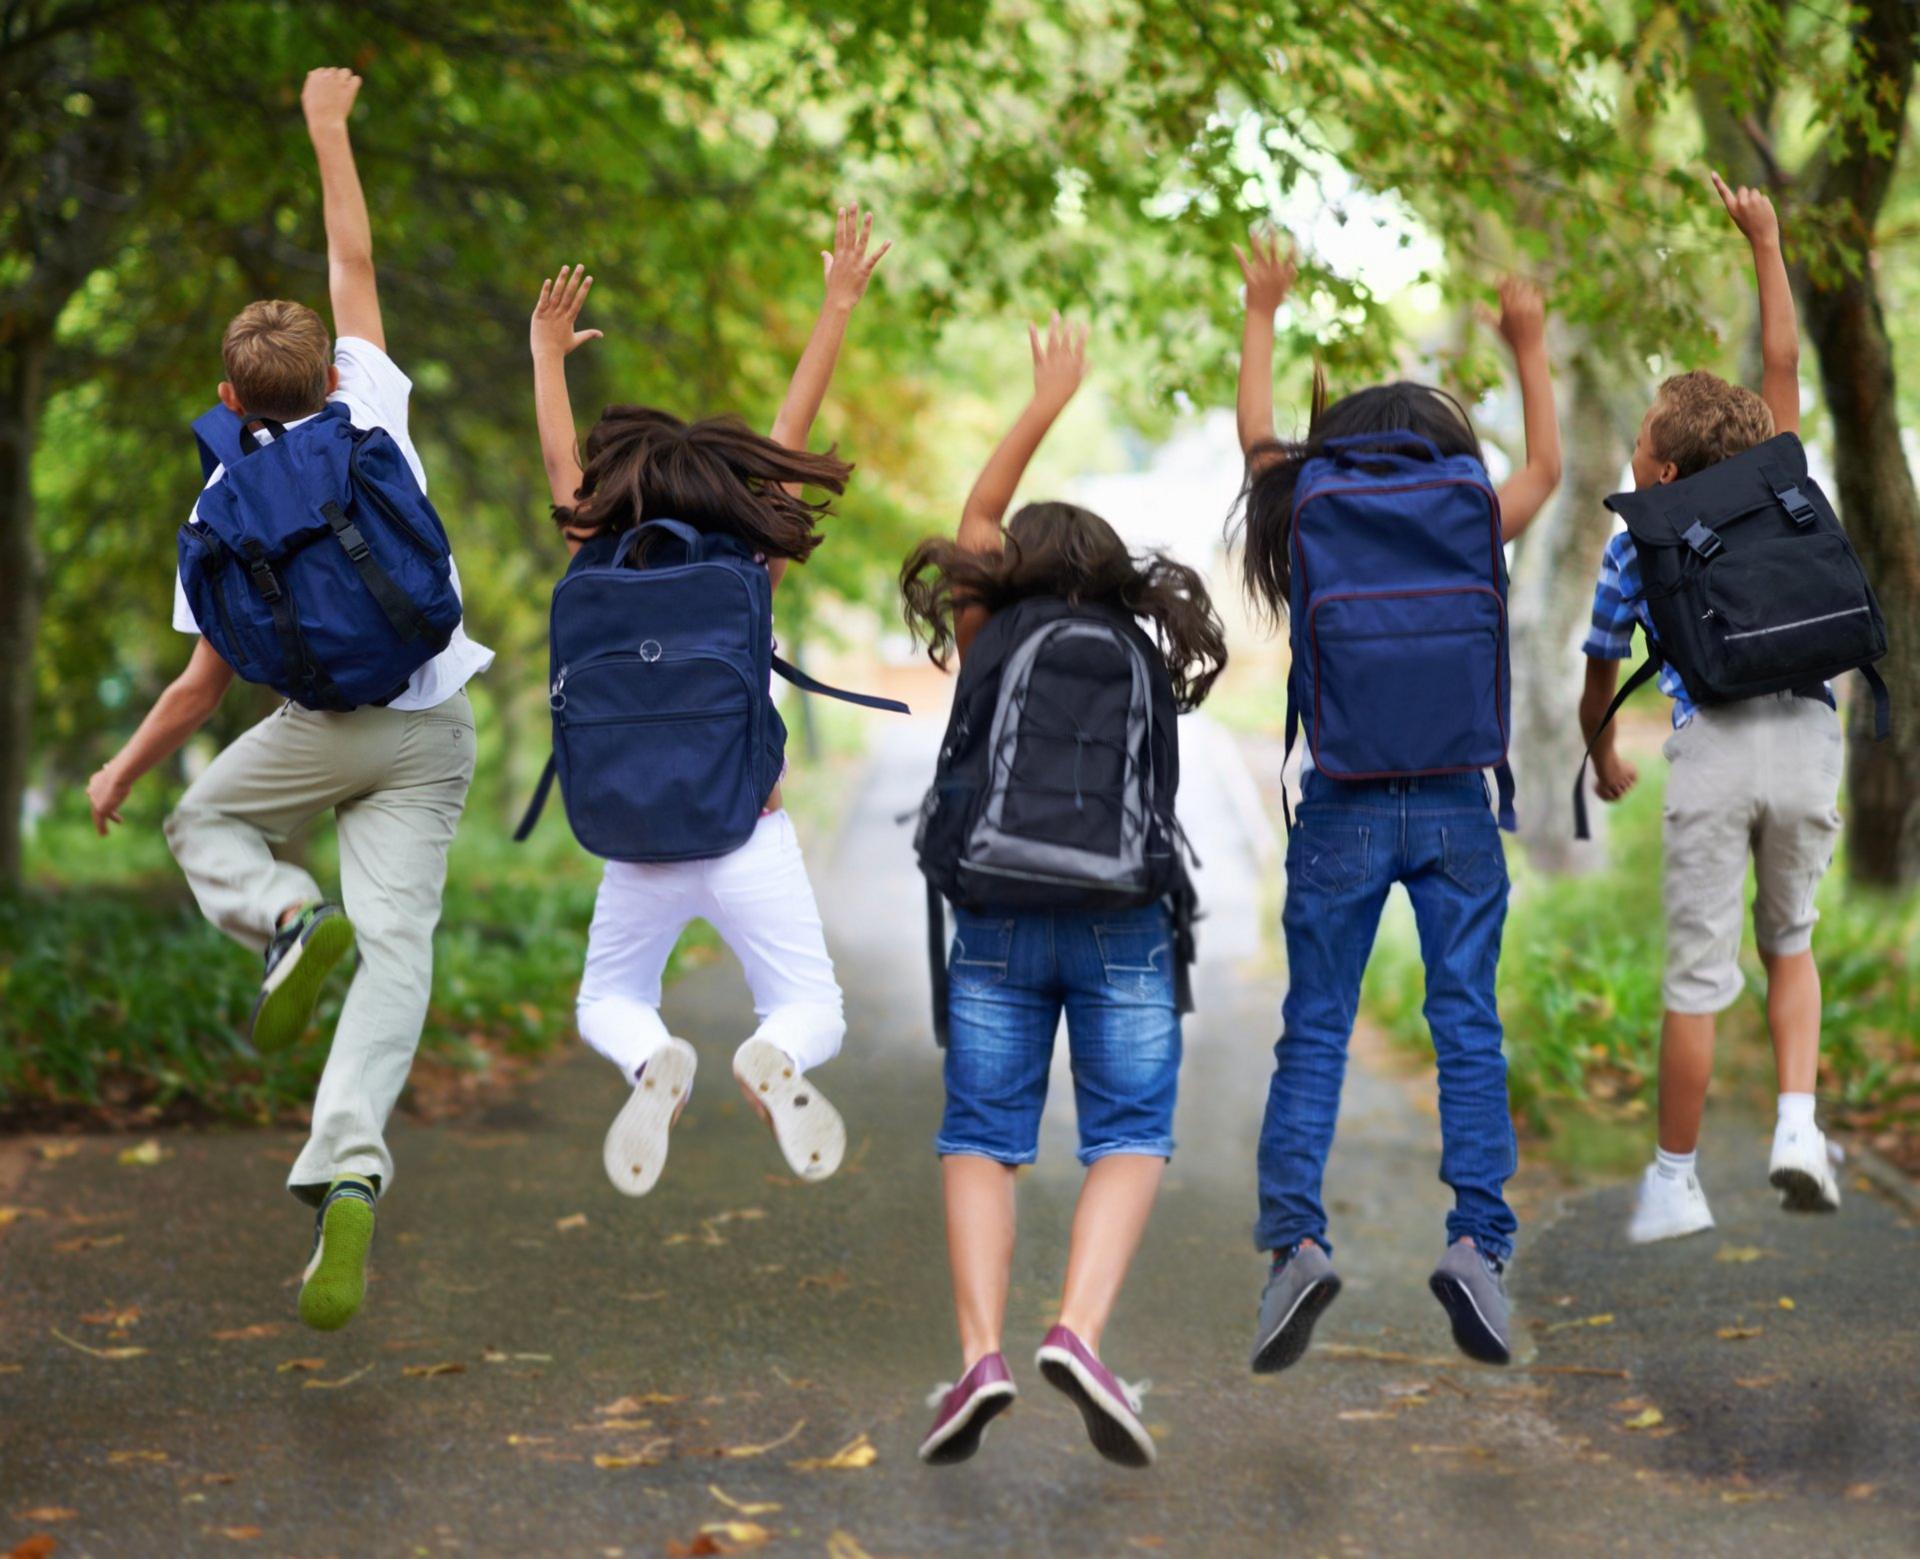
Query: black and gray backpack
<point x="1752" y="585"/>
<point x="1056" y="781"/>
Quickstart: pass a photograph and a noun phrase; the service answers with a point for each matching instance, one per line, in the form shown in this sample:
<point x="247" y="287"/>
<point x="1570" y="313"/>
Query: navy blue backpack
<point x="666" y="741"/>
<point x="315" y="564"/>
<point x="1398" y="612"/>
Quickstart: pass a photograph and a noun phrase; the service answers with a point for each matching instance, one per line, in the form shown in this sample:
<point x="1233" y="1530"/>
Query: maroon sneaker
<point x="984" y="1393"/>
<point x="1109" y="1405"/>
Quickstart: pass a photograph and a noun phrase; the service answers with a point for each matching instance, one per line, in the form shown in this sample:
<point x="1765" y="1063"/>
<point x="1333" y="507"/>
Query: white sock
<point x="1796" y="1110"/>
<point x="1674" y="1166"/>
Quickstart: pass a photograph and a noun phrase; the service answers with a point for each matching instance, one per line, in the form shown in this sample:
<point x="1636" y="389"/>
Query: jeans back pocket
<point x="982" y="946"/>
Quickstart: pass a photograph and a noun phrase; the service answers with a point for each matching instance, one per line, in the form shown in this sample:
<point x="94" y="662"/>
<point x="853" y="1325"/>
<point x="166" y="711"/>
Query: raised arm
<point x="327" y="100"/>
<point x="552" y="339"/>
<point x="1523" y="324"/>
<point x="1269" y="265"/>
<point x="177" y="713"/>
<point x="848" y="266"/>
<point x="1753" y="214"/>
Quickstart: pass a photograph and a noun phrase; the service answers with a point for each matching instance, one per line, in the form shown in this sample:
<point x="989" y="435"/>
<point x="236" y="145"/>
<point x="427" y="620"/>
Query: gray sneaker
<point x="1297" y="1290"/>
<point x="1470" y="1289"/>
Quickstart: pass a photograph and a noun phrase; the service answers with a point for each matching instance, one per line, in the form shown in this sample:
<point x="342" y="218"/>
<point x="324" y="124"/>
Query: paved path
<point x="757" y="1325"/>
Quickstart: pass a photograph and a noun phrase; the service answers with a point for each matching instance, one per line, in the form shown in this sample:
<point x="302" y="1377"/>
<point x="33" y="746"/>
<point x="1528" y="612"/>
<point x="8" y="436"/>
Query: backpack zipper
<point x="1804" y="622"/>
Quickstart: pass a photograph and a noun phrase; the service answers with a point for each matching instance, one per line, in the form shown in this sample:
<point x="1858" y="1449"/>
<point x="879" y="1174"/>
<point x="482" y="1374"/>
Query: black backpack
<point x="1752" y="585"/>
<point x="1056" y="780"/>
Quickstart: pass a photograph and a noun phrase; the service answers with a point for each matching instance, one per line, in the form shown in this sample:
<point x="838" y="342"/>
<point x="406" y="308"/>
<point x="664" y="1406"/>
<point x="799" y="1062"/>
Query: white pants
<point x="759" y="899"/>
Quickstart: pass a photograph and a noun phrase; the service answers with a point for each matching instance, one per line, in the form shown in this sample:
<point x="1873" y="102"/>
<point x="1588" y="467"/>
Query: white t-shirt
<point x="375" y="391"/>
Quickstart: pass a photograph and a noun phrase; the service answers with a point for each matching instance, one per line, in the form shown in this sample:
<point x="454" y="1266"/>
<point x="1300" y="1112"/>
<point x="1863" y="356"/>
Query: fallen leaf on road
<point x="857" y="1452"/>
<point x="571" y="1221"/>
<point x="58" y="1513"/>
<point x="294" y="1366"/>
<point x="36" y="1547"/>
<point x="741" y="1451"/>
<point x="11" y="1369"/>
<point x="118" y="1318"/>
<point x="1785" y="1303"/>
<point x="745" y="1507"/>
<point x="88" y="1242"/>
<point x="240" y="1534"/>
<point x="1740" y="1253"/>
<point x="1861" y="1490"/>
<point x="53" y="1152"/>
<point x="1451" y="1450"/>
<point x="9" y="1214"/>
<point x="1647" y="1418"/>
<point x="145" y="1155"/>
<point x="335" y="1385"/>
<point x="1757" y="1382"/>
<point x="1365" y="1414"/>
<point x="251" y="1333"/>
<point x="710" y="1227"/>
<point x="98" y="1353"/>
<point x="1344" y="1350"/>
<point x="629" y="1405"/>
<point x="1736" y="1333"/>
<point x="529" y="1439"/>
<point x="844" y="1545"/>
<point x="733" y="1537"/>
<point x="832" y="1282"/>
<point x="420" y="1371"/>
<point x="647" y="1456"/>
<point x="121" y="1458"/>
<point x="1585" y="1320"/>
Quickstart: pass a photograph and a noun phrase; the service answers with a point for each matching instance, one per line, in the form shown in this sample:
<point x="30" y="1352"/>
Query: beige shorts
<point x="1758" y="779"/>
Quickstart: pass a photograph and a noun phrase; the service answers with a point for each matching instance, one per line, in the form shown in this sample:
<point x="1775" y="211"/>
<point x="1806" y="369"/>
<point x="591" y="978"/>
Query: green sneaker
<point x="336" y="1277"/>
<point x="299" y="959"/>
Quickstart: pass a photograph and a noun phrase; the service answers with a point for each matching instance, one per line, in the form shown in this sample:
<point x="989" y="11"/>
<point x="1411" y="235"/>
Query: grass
<point x="1580" y="994"/>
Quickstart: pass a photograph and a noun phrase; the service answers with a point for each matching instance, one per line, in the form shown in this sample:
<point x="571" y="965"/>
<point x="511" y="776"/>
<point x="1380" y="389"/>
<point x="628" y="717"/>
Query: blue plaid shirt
<point x="1617" y="605"/>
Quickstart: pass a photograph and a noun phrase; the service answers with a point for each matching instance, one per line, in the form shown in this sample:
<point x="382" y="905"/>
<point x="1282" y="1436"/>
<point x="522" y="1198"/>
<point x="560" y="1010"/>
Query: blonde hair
<point x="276" y="356"/>
<point x="1699" y="419"/>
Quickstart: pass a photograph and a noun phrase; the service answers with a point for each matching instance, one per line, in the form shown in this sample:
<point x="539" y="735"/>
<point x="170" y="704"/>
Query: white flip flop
<point x="809" y="1129"/>
<point x="636" y="1147"/>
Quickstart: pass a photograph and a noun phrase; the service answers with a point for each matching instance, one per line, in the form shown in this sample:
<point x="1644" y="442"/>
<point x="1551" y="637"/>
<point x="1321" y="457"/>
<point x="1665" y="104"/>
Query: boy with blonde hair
<point x="393" y="770"/>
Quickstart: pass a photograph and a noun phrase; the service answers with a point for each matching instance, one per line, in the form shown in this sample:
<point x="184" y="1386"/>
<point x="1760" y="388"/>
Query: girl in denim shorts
<point x="1012" y="974"/>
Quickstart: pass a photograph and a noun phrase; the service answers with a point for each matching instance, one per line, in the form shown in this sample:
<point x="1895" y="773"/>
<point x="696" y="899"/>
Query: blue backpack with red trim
<point x="1398" y="614"/>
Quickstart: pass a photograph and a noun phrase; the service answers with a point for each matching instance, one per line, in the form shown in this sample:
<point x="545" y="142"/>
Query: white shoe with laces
<point x="1669" y="1206"/>
<point x="1801" y="1170"/>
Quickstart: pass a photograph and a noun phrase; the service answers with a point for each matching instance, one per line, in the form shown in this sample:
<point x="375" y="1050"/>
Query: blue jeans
<point x="1012" y="975"/>
<point x="1350" y="843"/>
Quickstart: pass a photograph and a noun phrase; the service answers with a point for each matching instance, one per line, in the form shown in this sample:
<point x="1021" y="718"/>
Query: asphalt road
<point x="544" y="1367"/>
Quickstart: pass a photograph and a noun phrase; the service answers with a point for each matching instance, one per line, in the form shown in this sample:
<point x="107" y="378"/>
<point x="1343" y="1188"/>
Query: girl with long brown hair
<point x="721" y="478"/>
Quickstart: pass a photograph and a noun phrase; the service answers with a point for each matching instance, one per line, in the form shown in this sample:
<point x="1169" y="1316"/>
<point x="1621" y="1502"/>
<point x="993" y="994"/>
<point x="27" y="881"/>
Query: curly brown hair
<point x="1060" y="549"/>
<point x="1698" y="420"/>
<point x="716" y="475"/>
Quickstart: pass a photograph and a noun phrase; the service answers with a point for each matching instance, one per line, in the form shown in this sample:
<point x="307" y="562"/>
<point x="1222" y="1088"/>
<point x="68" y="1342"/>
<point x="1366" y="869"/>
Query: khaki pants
<point x="1758" y="780"/>
<point x="396" y="782"/>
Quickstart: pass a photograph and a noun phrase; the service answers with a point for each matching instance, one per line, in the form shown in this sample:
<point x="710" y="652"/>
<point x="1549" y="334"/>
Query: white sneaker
<point x="1668" y="1207"/>
<point x="636" y="1146"/>
<point x="1802" y="1170"/>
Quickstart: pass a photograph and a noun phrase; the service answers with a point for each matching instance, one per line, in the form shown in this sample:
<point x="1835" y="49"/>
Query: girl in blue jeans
<point x="1011" y="975"/>
<point x="1353" y="840"/>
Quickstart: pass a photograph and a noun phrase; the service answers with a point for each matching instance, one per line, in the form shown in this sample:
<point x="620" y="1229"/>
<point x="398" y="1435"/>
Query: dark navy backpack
<point x="316" y="565"/>
<point x="666" y="741"/>
<point x="1398" y="613"/>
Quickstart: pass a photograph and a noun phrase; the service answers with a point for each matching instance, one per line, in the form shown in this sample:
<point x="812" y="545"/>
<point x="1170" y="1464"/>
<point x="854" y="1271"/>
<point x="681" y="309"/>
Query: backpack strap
<point x="400" y="611"/>
<point x="808" y="684"/>
<point x="539" y="801"/>
<point x="224" y="437"/>
<point x="682" y="532"/>
<point x="1503" y="788"/>
<point x="937" y="962"/>
<point x="1293" y="732"/>
<point x="1644" y="673"/>
<point x="286" y="625"/>
<point x="1882" y="703"/>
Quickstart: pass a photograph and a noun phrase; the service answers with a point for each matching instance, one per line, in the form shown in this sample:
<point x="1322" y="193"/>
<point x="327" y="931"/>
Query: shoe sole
<point x="285" y="1007"/>
<point x="1471" y="1332"/>
<point x="346" y="1234"/>
<point x="808" y="1129"/>
<point x="635" y="1151"/>
<point x="1802" y="1192"/>
<point x="1291" y="1337"/>
<point x="1676" y="1232"/>
<point x="963" y="1437"/>
<point x="1111" y="1435"/>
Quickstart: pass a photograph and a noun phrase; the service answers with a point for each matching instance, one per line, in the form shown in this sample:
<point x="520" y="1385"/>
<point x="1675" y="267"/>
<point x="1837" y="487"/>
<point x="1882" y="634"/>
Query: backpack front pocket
<point x="658" y="756"/>
<point x="1407" y="681"/>
<point x="1793" y="607"/>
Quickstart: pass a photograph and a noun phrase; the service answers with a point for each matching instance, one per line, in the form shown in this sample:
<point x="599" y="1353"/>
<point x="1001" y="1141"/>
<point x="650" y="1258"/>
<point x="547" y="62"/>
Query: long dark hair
<point x="716" y="475"/>
<point x="1060" y="549"/>
<point x="1264" y="528"/>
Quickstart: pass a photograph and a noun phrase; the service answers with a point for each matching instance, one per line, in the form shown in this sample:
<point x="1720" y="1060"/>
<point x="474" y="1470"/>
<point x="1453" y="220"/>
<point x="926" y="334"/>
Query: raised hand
<point x="1751" y="209"/>
<point x="327" y="98"/>
<point x="561" y="299"/>
<point x="1059" y="361"/>
<point x="848" y="264"/>
<point x="1522" y="321"/>
<point x="1269" y="263"/>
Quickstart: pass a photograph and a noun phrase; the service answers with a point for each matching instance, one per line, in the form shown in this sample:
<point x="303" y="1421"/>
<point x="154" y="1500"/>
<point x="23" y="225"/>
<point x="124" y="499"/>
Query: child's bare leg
<point x="1108" y="1221"/>
<point x="1793" y="1018"/>
<point x="1686" y="1065"/>
<point x="980" y="1224"/>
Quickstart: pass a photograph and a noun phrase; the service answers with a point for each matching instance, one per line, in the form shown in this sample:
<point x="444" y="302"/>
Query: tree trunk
<point x="1549" y="602"/>
<point x="21" y="362"/>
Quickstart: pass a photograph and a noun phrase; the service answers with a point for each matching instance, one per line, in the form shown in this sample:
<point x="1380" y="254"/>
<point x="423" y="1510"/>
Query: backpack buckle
<point x="264" y="580"/>
<point x="1797" y="504"/>
<point x="1703" y="541"/>
<point x="354" y="542"/>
